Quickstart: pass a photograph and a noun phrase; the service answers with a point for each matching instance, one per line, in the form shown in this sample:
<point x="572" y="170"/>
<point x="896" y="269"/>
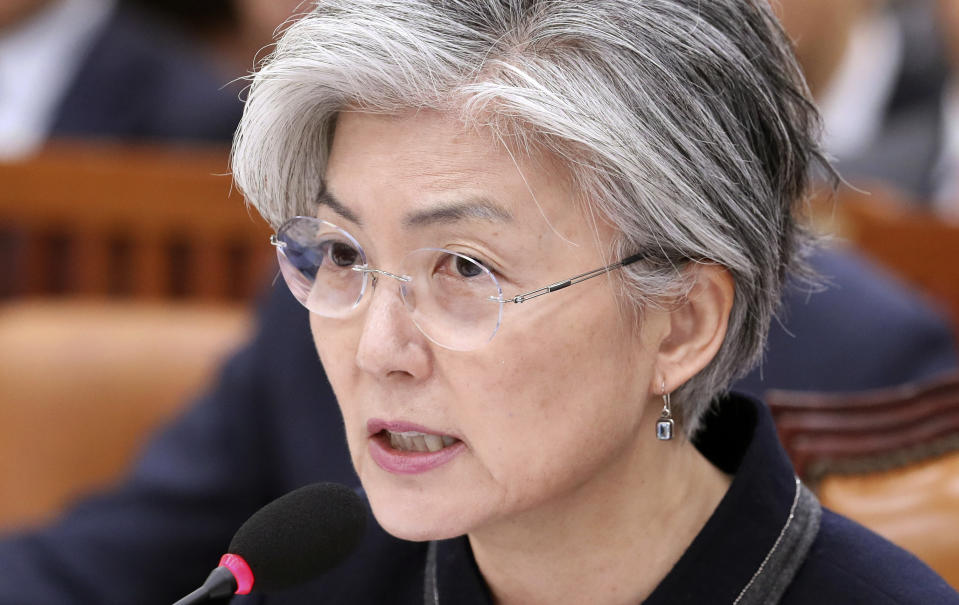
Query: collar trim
<point x="787" y="554"/>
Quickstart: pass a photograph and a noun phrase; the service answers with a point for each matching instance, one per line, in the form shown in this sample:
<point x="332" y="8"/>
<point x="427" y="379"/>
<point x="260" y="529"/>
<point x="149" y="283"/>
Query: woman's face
<point x="544" y="412"/>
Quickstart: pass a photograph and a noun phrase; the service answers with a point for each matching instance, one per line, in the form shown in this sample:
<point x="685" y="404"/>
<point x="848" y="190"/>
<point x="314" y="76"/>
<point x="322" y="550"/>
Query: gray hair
<point x="686" y="123"/>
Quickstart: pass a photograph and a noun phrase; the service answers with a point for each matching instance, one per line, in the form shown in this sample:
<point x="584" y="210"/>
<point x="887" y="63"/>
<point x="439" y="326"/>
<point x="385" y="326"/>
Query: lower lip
<point x="409" y="463"/>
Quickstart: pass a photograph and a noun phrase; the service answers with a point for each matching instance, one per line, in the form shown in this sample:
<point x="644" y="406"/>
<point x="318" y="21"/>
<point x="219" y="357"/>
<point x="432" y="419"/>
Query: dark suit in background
<point x="143" y="82"/>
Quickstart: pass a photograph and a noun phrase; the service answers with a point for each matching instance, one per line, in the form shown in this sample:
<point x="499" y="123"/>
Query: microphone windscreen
<point x="300" y="535"/>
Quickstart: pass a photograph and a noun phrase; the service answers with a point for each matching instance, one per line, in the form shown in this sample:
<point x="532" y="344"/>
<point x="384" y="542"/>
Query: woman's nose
<point x="390" y="343"/>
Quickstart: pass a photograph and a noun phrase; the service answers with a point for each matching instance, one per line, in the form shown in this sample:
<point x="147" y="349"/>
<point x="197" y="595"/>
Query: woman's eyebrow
<point x="474" y="208"/>
<point x="325" y="198"/>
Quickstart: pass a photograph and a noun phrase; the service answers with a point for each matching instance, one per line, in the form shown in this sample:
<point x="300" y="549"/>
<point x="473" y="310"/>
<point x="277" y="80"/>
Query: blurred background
<point x="128" y="264"/>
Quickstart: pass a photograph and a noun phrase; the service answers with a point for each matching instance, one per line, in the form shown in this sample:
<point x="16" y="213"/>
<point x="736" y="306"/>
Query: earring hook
<point x="665" y="424"/>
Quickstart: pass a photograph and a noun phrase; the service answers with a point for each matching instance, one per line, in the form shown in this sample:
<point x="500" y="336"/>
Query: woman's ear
<point x="696" y="326"/>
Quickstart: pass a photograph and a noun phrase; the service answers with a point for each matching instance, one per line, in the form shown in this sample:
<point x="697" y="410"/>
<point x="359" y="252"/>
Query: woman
<point x="634" y="167"/>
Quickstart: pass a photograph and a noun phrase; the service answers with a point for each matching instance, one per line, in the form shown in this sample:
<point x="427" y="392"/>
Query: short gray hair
<point x="686" y="123"/>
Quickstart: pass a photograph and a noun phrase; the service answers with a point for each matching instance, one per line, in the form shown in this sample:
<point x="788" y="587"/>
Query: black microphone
<point x="291" y="540"/>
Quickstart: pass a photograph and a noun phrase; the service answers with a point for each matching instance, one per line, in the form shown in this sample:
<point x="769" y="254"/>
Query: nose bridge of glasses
<point x="374" y="273"/>
<point x="404" y="290"/>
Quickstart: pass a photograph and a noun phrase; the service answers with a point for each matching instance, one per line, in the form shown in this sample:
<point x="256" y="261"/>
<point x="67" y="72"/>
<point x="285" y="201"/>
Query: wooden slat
<point x="91" y="260"/>
<point x="206" y="261"/>
<point x="150" y="269"/>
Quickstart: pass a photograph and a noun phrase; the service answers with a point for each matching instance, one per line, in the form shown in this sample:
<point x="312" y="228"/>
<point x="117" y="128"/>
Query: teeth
<point x="396" y="441"/>
<point x="414" y="441"/>
<point x="434" y="443"/>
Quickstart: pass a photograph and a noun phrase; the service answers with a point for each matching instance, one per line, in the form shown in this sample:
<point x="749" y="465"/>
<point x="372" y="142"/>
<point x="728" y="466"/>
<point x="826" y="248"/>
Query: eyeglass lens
<point x="452" y="299"/>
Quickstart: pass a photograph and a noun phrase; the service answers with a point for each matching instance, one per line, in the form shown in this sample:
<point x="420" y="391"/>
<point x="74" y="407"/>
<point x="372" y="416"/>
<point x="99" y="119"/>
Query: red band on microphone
<point x="241" y="571"/>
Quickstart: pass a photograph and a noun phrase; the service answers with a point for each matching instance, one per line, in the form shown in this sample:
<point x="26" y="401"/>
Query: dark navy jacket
<point x="846" y="563"/>
<point x="270" y="424"/>
<point x="142" y="82"/>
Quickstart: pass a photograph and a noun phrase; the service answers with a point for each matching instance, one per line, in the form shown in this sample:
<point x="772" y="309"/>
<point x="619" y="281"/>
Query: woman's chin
<point x="412" y="520"/>
<point x="418" y="533"/>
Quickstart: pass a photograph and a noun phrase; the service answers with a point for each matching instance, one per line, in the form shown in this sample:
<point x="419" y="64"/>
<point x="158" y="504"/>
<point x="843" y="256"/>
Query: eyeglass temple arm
<point x="519" y="298"/>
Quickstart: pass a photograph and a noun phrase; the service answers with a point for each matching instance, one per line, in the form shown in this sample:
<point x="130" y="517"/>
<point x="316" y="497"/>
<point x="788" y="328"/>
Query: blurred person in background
<point x="101" y="69"/>
<point x="233" y="31"/>
<point x="947" y="192"/>
<point x="878" y="71"/>
<point x="270" y="424"/>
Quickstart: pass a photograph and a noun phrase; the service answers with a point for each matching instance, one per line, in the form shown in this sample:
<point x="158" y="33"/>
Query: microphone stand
<point x="220" y="583"/>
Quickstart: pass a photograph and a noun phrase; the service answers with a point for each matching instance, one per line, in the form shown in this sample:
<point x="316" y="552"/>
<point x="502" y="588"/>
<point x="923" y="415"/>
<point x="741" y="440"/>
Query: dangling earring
<point x="664" y="426"/>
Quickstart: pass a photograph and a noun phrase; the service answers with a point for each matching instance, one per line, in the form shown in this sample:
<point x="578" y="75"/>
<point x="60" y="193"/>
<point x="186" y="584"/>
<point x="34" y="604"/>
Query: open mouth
<point x="415" y="441"/>
<point x="401" y="447"/>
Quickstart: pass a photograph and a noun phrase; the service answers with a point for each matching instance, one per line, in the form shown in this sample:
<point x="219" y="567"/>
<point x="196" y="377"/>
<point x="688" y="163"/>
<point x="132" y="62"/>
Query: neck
<point x="611" y="541"/>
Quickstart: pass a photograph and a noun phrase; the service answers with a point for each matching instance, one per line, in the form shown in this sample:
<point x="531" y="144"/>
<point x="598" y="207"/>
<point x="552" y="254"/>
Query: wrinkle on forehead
<point x="446" y="174"/>
<point x="470" y="155"/>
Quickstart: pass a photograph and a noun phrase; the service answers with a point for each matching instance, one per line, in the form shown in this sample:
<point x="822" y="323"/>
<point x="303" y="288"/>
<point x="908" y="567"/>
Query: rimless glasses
<point x="454" y="300"/>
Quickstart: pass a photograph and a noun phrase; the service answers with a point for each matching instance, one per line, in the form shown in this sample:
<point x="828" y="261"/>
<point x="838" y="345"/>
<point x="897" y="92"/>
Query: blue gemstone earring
<point x="664" y="426"/>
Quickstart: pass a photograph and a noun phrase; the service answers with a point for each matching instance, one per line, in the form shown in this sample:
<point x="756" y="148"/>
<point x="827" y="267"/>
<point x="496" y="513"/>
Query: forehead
<point x="417" y="159"/>
<point x="421" y="143"/>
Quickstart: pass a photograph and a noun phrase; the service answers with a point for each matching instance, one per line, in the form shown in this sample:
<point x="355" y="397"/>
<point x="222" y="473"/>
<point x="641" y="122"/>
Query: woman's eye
<point x="467" y="268"/>
<point x="343" y="255"/>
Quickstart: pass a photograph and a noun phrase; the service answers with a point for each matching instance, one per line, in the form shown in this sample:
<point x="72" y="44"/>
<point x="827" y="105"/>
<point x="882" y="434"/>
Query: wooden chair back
<point x="128" y="221"/>
<point x="887" y="458"/>
<point x="125" y="269"/>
